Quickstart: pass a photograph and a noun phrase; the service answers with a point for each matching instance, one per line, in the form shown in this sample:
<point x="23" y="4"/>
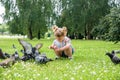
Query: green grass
<point x="89" y="63"/>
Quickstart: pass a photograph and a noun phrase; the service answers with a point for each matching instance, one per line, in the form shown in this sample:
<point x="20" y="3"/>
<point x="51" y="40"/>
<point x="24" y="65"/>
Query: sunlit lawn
<point x="89" y="63"/>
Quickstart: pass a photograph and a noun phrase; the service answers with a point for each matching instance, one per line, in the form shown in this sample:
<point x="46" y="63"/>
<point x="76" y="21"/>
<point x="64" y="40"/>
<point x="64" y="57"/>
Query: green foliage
<point x="89" y="63"/>
<point x="4" y="28"/>
<point x="109" y="26"/>
<point x="29" y="17"/>
<point x="32" y="17"/>
<point x="80" y="16"/>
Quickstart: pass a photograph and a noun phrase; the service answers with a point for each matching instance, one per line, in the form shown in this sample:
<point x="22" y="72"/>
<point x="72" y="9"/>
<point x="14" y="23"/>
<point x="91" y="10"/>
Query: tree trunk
<point x="30" y="36"/>
<point x="39" y="35"/>
<point x="87" y="33"/>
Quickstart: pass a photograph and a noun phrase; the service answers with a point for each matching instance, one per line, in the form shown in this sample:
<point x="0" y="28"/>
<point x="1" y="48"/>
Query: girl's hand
<point x="52" y="47"/>
<point x="55" y="47"/>
<point x="58" y="49"/>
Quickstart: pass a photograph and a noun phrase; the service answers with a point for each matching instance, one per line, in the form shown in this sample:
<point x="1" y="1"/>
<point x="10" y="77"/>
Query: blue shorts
<point x="64" y="55"/>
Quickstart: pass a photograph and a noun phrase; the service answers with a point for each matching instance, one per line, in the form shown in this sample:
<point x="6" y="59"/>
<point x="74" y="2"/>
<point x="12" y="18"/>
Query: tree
<point x="80" y="16"/>
<point x="109" y="26"/>
<point x="3" y="28"/>
<point x="29" y="17"/>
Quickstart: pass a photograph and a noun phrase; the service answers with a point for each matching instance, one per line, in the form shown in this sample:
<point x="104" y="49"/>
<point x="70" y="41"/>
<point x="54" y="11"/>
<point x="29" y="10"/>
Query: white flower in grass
<point x="65" y="74"/>
<point x="67" y="65"/>
<point x="31" y="79"/>
<point x="5" y="74"/>
<point x="23" y="64"/>
<point x="74" y="73"/>
<point x="38" y="74"/>
<point x="105" y="71"/>
<point x="15" y="68"/>
<point x="34" y="75"/>
<point x="15" y="74"/>
<point x="83" y="71"/>
<point x="98" y="78"/>
<point x="34" y="70"/>
<point x="72" y="78"/>
<point x="104" y="63"/>
<point x="34" y="62"/>
<point x="8" y="71"/>
<point x="46" y="78"/>
<point x="93" y="73"/>
<point x="28" y="63"/>
<point x="81" y="78"/>
<point x="78" y="67"/>
<point x="19" y="75"/>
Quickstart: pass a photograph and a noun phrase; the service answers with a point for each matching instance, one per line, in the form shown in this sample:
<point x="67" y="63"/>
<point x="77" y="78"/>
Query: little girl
<point x="62" y="44"/>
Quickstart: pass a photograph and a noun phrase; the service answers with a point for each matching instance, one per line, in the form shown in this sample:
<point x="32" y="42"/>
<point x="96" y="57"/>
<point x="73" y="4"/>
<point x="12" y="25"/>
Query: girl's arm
<point x="52" y="47"/>
<point x="65" y="47"/>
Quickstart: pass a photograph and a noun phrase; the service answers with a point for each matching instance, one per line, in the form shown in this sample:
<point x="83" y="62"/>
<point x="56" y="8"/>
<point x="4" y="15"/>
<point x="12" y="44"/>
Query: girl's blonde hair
<point x="59" y="31"/>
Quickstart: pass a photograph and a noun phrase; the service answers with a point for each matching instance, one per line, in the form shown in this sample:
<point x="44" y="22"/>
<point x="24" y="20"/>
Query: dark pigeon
<point x="117" y="51"/>
<point x="29" y="51"/>
<point x="4" y="55"/>
<point x="113" y="57"/>
<point x="10" y="61"/>
<point x="42" y="59"/>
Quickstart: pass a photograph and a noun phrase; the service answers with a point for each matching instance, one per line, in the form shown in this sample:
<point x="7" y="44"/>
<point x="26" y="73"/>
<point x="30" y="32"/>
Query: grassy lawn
<point x="89" y="63"/>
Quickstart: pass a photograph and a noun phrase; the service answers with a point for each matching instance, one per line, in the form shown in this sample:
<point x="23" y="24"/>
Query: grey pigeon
<point x="113" y="57"/>
<point x="10" y="61"/>
<point x="42" y="59"/>
<point x="29" y="51"/>
<point x="4" y="55"/>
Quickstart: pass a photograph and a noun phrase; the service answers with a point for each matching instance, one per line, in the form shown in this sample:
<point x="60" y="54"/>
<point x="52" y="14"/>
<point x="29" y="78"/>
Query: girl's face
<point x="60" y="39"/>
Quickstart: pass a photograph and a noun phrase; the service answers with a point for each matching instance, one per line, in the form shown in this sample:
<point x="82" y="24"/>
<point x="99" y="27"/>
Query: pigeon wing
<point x="116" y="60"/>
<point x="38" y="46"/>
<point x="27" y="46"/>
<point x="117" y="51"/>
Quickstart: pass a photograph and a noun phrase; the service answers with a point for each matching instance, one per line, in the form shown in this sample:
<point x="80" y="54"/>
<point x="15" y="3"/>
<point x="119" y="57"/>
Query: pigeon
<point x="113" y="57"/>
<point x="117" y="51"/>
<point x="42" y="59"/>
<point x="4" y="55"/>
<point x="10" y="61"/>
<point x="29" y="51"/>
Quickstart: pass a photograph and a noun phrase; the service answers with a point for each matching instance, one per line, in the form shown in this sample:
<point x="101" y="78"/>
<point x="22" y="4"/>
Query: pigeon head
<point x="35" y="52"/>
<point x="1" y="54"/>
<point x="0" y="50"/>
<point x="15" y="55"/>
<point x="110" y="55"/>
<point x="34" y="49"/>
<point x="113" y="52"/>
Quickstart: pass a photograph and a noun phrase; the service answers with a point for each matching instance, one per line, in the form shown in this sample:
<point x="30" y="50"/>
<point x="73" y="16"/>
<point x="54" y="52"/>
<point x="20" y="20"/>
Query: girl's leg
<point x="68" y="52"/>
<point x="58" y="53"/>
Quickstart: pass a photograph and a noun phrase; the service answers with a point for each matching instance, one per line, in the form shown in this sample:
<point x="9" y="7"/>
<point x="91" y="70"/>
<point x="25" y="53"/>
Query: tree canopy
<point x="109" y="26"/>
<point x="83" y="18"/>
<point x="80" y="16"/>
<point x="28" y="16"/>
